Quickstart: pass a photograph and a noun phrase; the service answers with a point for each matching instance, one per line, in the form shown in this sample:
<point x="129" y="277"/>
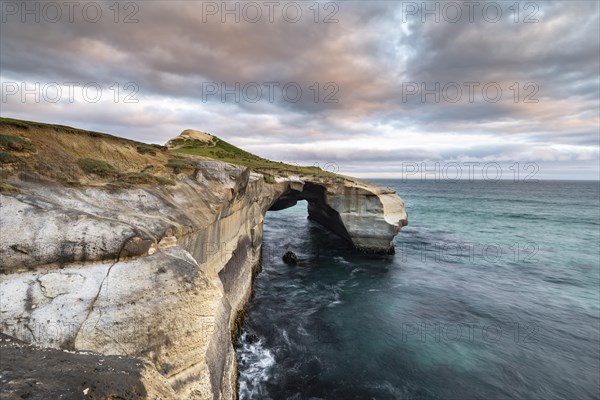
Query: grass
<point x="143" y="178"/>
<point x="7" y="158"/>
<point x="27" y="125"/>
<point x="221" y="150"/>
<point x="104" y="169"/>
<point x="146" y="150"/>
<point x="7" y="188"/>
<point x="10" y="142"/>
<point x="17" y="123"/>
<point x="97" y="167"/>
<point x="192" y="143"/>
<point x="150" y="149"/>
<point x="216" y="149"/>
<point x="269" y="178"/>
<point x="178" y="164"/>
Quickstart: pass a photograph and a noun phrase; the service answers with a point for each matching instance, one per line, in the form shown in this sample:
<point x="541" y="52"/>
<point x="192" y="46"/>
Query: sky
<point x="382" y="89"/>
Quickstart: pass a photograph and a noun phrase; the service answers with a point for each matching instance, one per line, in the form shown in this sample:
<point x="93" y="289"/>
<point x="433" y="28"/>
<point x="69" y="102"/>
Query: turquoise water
<point x="493" y="293"/>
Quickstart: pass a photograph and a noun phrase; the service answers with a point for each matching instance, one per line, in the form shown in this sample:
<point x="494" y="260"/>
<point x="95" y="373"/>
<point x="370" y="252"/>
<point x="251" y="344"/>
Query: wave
<point x="341" y="260"/>
<point x="256" y="365"/>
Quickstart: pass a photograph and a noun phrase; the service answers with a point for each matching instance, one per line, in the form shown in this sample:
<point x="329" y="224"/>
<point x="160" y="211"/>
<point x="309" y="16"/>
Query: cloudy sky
<point x="372" y="89"/>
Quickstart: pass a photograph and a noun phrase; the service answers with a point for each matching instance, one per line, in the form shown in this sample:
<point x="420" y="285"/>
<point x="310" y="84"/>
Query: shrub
<point x="97" y="167"/>
<point x="7" y="188"/>
<point x="178" y="164"/>
<point x="177" y="141"/>
<point x="144" y="178"/>
<point x="146" y="150"/>
<point x="164" y="181"/>
<point x="7" y="158"/>
<point x="192" y="143"/>
<point x="15" y="143"/>
<point x="137" y="178"/>
<point x="269" y="178"/>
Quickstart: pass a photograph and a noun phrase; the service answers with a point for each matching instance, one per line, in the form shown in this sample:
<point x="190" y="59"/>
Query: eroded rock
<point x="162" y="274"/>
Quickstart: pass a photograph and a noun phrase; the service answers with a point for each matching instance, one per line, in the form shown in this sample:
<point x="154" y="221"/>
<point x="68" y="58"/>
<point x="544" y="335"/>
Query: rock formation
<point x="367" y="216"/>
<point x="151" y="259"/>
<point x="290" y="258"/>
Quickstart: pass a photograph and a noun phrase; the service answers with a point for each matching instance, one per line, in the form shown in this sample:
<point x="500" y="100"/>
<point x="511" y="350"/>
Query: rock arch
<point x="366" y="216"/>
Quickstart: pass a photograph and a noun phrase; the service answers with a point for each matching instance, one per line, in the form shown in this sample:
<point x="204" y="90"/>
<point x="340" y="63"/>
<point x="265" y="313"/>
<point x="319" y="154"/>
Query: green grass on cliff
<point x="22" y="124"/>
<point x="223" y="151"/>
<point x="98" y="167"/>
<point x="15" y="143"/>
<point x="26" y="125"/>
<point x="218" y="149"/>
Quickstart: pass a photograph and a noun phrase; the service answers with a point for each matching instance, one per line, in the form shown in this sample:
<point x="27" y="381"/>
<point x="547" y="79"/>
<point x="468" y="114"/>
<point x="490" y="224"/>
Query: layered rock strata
<point x="160" y="274"/>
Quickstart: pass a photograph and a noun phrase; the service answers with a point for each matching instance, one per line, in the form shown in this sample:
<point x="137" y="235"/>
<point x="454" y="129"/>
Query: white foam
<point x="341" y="260"/>
<point x="258" y="363"/>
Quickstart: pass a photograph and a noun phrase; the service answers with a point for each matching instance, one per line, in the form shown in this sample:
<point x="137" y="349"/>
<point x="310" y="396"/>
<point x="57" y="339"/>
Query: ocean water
<point x="493" y="293"/>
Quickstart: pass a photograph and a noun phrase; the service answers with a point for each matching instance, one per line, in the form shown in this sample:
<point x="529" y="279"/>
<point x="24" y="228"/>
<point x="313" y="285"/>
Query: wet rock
<point x="290" y="258"/>
<point x="250" y="338"/>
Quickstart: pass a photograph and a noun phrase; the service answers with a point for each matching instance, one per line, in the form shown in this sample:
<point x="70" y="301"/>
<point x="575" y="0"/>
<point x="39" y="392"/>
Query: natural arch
<point x="318" y="209"/>
<point x="365" y="215"/>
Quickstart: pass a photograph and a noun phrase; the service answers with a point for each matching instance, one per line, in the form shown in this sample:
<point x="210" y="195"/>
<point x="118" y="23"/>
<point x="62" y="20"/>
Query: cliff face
<point x="159" y="273"/>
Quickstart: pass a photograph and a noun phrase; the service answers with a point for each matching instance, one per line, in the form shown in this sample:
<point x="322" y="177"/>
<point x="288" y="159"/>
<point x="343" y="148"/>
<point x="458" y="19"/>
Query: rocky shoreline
<point x="154" y="273"/>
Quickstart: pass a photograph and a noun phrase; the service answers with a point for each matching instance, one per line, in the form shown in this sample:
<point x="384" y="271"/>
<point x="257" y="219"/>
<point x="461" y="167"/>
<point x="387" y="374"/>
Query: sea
<point x="493" y="293"/>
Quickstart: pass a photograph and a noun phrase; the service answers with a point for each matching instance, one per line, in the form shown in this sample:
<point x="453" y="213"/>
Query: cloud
<point x="362" y="64"/>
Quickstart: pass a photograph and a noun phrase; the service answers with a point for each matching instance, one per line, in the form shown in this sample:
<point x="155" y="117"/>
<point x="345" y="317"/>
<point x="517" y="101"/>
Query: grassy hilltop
<point x="81" y="157"/>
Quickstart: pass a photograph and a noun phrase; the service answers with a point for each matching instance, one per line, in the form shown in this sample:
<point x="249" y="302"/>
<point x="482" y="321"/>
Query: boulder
<point x="290" y="258"/>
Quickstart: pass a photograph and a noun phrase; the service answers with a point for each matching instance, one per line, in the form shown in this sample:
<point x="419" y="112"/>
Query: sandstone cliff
<point x="125" y="249"/>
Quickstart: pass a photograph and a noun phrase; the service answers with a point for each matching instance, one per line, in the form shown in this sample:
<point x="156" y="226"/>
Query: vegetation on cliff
<point x="81" y="157"/>
<point x="219" y="149"/>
